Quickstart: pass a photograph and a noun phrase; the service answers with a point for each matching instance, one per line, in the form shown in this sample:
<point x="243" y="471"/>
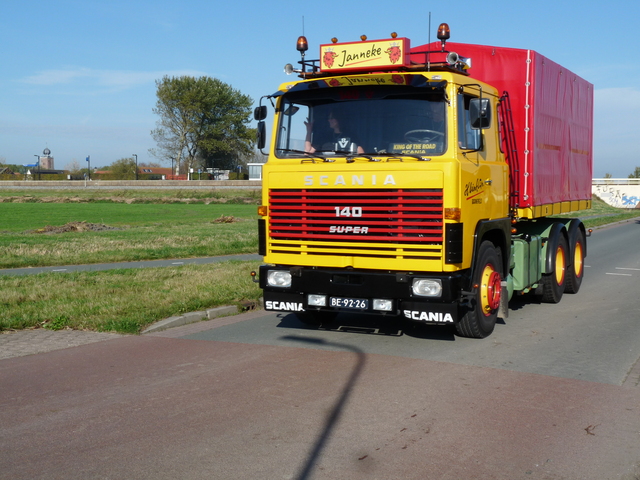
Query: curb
<point x="192" y="317"/>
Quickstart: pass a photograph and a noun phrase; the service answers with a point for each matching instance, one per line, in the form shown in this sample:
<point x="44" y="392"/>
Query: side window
<point x="468" y="138"/>
<point x="292" y="128"/>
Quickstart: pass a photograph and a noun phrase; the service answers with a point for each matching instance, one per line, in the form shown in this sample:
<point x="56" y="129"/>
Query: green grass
<point x="124" y="301"/>
<point x="146" y="232"/>
<point x="84" y="195"/>
<point x="21" y="217"/>
<point x="601" y="213"/>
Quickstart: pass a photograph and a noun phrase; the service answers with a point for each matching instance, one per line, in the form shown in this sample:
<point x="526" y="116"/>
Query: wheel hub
<point x="490" y="290"/>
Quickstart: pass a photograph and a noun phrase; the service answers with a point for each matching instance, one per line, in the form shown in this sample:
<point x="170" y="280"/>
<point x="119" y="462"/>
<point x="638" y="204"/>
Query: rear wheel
<point x="553" y="283"/>
<point x="575" y="272"/>
<point x="480" y="320"/>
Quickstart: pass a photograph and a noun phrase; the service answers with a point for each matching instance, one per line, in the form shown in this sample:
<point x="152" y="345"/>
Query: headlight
<point x="382" y="304"/>
<point x="317" y="300"/>
<point x="427" y="287"/>
<point x="279" y="278"/>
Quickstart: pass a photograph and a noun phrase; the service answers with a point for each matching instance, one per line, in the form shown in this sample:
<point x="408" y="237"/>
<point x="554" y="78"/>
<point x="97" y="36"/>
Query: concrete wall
<point x="618" y="192"/>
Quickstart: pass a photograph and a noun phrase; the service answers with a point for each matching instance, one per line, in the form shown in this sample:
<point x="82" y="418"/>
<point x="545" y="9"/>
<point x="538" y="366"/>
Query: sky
<point x="79" y="76"/>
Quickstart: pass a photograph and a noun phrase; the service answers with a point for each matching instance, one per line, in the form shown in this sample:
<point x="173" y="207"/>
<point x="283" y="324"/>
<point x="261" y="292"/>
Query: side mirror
<point x="260" y="113"/>
<point x="480" y="113"/>
<point x="261" y="134"/>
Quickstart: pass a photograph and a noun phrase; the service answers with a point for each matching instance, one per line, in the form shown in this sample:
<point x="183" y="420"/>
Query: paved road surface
<point x="552" y="394"/>
<point x="140" y="264"/>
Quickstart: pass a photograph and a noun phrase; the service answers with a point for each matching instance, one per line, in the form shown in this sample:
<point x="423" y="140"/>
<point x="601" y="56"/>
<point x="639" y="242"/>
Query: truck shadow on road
<point x="371" y="325"/>
<point x="518" y="302"/>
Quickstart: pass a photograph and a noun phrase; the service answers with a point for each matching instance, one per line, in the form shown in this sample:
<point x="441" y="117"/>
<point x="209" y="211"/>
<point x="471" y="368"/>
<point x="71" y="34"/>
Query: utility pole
<point x="136" y="165"/>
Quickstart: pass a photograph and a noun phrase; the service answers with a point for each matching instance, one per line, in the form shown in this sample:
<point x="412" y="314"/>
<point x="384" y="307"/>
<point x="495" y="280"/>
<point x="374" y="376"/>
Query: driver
<point x="340" y="141"/>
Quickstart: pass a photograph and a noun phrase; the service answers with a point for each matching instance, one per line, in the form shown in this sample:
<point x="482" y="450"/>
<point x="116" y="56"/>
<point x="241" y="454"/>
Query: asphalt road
<point x="553" y="394"/>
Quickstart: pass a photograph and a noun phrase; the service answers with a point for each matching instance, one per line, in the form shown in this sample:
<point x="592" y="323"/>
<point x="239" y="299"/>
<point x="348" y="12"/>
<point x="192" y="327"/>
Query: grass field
<point x="126" y="225"/>
<point x="144" y="225"/>
<point x="123" y="232"/>
<point x="124" y="301"/>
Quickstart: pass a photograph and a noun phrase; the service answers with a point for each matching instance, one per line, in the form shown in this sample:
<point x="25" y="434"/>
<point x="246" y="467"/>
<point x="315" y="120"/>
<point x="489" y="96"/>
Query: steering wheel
<point x="422" y="136"/>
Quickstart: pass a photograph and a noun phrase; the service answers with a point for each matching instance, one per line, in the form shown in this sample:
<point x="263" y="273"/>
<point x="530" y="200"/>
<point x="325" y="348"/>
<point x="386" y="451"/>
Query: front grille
<point x="386" y="222"/>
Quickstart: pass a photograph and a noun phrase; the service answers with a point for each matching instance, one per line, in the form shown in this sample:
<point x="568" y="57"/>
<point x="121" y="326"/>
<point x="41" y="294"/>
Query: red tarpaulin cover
<point x="552" y="114"/>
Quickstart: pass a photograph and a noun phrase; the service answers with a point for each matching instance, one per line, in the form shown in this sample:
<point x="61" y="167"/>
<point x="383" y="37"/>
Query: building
<point x="45" y="161"/>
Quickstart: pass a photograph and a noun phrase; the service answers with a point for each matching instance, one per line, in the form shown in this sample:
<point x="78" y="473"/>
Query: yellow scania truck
<point x="421" y="183"/>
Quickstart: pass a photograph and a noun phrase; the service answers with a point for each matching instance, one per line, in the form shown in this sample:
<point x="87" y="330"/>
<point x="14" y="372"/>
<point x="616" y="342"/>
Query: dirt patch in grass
<point x="225" y="219"/>
<point x="74" y="227"/>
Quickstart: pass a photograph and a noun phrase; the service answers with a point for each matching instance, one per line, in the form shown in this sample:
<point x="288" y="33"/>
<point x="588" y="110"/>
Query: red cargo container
<point x="552" y="114"/>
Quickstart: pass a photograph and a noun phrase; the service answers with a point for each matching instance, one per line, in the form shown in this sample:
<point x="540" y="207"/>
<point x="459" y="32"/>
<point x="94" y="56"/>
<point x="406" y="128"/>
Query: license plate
<point x="354" y="303"/>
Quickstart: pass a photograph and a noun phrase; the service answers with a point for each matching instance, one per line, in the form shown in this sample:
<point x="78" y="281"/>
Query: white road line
<point x="177" y="263"/>
<point x="621" y="274"/>
<point x="626" y="268"/>
<point x="59" y="270"/>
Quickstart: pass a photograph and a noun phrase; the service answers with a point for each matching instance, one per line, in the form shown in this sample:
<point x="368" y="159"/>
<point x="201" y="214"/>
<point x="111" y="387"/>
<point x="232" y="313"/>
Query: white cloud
<point x="86" y="77"/>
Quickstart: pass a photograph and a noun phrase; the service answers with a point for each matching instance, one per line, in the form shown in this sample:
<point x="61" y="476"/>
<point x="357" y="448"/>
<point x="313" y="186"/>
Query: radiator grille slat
<point x="385" y="222"/>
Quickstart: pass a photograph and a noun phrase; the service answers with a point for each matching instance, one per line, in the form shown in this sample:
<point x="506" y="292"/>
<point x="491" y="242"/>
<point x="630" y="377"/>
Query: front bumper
<point x="365" y="287"/>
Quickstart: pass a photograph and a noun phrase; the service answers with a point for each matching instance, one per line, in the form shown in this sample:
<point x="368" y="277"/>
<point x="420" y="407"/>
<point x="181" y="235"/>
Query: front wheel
<point x="480" y="320"/>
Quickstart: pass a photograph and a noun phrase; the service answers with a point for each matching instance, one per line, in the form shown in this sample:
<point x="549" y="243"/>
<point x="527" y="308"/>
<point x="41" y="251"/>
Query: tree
<point x="202" y="121"/>
<point x="636" y="173"/>
<point x="123" y="169"/>
<point x="149" y="165"/>
<point x="73" y="167"/>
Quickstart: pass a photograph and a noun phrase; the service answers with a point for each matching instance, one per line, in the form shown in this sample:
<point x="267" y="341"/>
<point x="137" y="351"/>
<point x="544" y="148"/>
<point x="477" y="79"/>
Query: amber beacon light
<point x="443" y="34"/>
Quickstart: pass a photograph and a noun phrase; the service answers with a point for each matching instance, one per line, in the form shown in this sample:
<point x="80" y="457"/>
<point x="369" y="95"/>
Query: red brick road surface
<point x="156" y="407"/>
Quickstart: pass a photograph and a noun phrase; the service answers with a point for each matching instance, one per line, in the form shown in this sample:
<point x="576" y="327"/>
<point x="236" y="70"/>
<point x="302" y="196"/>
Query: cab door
<point x="485" y="189"/>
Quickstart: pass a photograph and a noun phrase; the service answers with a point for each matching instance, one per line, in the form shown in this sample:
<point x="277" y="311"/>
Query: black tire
<point x="480" y="320"/>
<point x="316" y="318"/>
<point x="553" y="283"/>
<point x="575" y="271"/>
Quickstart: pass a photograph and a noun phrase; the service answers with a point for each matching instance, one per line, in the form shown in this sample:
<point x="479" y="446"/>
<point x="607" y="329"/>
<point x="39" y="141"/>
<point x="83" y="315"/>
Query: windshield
<point x="383" y="120"/>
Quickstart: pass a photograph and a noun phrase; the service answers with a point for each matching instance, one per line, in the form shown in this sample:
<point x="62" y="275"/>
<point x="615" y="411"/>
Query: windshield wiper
<point x="352" y="157"/>
<point x="375" y="156"/>
<point x="307" y="154"/>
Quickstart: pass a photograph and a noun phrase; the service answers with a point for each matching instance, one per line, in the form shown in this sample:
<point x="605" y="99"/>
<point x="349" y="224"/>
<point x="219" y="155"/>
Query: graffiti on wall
<point x="621" y="196"/>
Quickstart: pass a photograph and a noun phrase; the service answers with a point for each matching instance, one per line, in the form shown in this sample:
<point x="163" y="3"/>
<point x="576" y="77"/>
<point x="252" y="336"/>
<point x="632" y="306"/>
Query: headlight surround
<point x="279" y="278"/>
<point x="427" y="287"/>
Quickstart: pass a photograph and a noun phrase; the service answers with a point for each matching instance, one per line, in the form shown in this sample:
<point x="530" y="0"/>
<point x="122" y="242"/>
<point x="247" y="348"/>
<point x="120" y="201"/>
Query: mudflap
<point x="503" y="309"/>
<point x="283" y="302"/>
<point x="431" y="313"/>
